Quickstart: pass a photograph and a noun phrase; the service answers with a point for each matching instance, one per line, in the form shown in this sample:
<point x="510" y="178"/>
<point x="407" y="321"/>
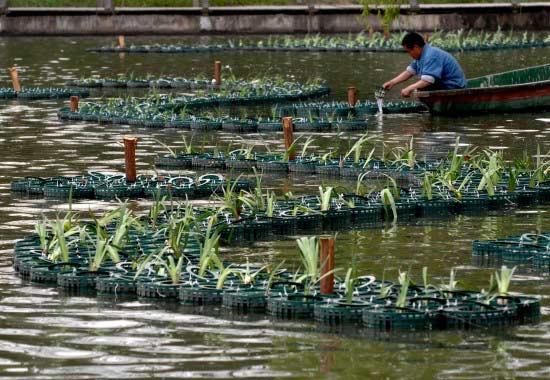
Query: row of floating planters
<point x="528" y="248"/>
<point x="42" y="93"/>
<point x="317" y="117"/>
<point x="344" y="110"/>
<point x="183" y="83"/>
<point x="242" y="160"/>
<point x="255" y="215"/>
<point x="232" y="92"/>
<point x="104" y="186"/>
<point x="147" y="265"/>
<point x="170" y="120"/>
<point x="450" y="41"/>
<point x="154" y="106"/>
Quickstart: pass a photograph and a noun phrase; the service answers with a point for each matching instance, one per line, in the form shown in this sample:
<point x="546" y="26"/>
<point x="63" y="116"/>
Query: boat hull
<point x="516" y="98"/>
<point x="521" y="90"/>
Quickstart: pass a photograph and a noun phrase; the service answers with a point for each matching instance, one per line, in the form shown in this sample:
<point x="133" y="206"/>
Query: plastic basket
<point x="158" y="289"/>
<point x="336" y="313"/>
<point x="292" y="306"/>
<point x="200" y="295"/>
<point x="248" y="301"/>
<point x="392" y="318"/>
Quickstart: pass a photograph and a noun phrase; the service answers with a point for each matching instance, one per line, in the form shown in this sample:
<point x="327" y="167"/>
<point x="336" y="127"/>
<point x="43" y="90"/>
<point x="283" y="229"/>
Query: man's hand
<point x="388" y="85"/>
<point x="406" y="92"/>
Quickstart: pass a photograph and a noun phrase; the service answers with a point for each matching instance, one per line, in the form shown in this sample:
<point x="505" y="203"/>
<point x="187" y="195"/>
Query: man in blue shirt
<point x="437" y="69"/>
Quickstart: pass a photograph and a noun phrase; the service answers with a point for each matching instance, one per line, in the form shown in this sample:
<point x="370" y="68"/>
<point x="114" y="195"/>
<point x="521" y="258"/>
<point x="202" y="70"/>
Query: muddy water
<point x="45" y="334"/>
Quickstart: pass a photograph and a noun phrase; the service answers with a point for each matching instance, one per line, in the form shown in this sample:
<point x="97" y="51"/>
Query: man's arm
<point x="406" y="92"/>
<point x="405" y="75"/>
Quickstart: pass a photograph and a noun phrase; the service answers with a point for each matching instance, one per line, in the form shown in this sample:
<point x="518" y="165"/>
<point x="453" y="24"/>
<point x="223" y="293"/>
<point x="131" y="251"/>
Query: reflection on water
<point x="47" y="334"/>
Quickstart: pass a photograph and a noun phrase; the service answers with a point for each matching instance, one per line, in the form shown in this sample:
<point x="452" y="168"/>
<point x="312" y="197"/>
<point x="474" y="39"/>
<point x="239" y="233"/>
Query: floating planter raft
<point x="183" y="83"/>
<point x="320" y="117"/>
<point x="170" y="111"/>
<point x="164" y="259"/>
<point x="249" y="216"/>
<point x="30" y="93"/>
<point x="422" y="194"/>
<point x="343" y="111"/>
<point x="108" y="186"/>
<point x="528" y="248"/>
<point x="377" y="42"/>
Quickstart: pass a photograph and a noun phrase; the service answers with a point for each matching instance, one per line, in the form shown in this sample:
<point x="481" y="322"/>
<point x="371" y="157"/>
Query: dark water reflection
<point x="45" y="334"/>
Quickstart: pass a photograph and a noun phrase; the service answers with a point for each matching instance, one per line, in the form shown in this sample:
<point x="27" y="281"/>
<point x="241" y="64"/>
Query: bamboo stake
<point x="352" y="96"/>
<point x="327" y="265"/>
<point x="218" y="72"/>
<point x="121" y="42"/>
<point x="74" y="103"/>
<point x="15" y="79"/>
<point x="288" y="133"/>
<point x="130" y="144"/>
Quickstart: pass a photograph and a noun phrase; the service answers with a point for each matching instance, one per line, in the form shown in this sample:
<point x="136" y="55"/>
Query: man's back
<point x="438" y="67"/>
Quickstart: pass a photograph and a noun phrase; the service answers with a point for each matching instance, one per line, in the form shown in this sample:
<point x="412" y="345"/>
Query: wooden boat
<point x="520" y="90"/>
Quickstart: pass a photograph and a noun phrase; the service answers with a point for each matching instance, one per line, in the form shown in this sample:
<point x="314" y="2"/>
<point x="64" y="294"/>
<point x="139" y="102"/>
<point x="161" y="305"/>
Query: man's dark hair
<point x="412" y="39"/>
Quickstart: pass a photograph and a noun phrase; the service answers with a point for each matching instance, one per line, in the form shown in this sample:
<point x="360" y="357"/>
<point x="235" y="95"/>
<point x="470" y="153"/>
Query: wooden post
<point x="352" y="96"/>
<point x="74" y="103"/>
<point x="108" y="5"/>
<point x="288" y="133"/>
<point x="427" y="37"/>
<point x="121" y="42"/>
<point x="15" y="79"/>
<point x="327" y="265"/>
<point x="130" y="144"/>
<point x="218" y="72"/>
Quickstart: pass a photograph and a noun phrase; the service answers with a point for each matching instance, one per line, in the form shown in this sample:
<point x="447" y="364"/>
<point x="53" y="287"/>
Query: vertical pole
<point x="288" y="133"/>
<point x="327" y="265"/>
<point x="427" y="37"/>
<point x="74" y="103"/>
<point x="121" y="42"/>
<point x="15" y="79"/>
<point x="108" y="5"/>
<point x="218" y="72"/>
<point x="205" y="4"/>
<point x="352" y="96"/>
<point x="130" y="144"/>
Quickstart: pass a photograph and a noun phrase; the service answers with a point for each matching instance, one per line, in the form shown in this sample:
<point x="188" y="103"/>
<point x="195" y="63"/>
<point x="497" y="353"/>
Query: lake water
<point x="45" y="334"/>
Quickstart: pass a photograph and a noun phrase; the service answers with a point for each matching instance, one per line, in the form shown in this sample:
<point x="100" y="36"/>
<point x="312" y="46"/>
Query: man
<point x="438" y="70"/>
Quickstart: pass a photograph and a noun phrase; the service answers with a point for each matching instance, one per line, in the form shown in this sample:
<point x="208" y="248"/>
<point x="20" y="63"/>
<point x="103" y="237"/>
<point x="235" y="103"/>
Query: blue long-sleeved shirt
<point x="438" y="67"/>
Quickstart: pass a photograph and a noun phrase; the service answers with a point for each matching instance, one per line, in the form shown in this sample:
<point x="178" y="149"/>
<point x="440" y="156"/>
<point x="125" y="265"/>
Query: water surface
<point x="45" y="334"/>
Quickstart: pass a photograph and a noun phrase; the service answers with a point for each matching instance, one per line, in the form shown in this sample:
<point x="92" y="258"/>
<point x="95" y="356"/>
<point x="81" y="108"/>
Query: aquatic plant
<point x="404" y="280"/>
<point x="157" y="208"/>
<point x="502" y="280"/>
<point x="62" y="230"/>
<point x="209" y="248"/>
<point x="325" y="197"/>
<point x="350" y="281"/>
<point x="452" y="285"/>
<point x="42" y="230"/>
<point x="311" y="263"/>
<point x="386" y="196"/>
<point x="358" y="147"/>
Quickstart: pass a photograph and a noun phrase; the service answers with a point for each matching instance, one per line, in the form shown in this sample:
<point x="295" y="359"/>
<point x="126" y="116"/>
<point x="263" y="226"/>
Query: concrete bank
<point x="268" y="19"/>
